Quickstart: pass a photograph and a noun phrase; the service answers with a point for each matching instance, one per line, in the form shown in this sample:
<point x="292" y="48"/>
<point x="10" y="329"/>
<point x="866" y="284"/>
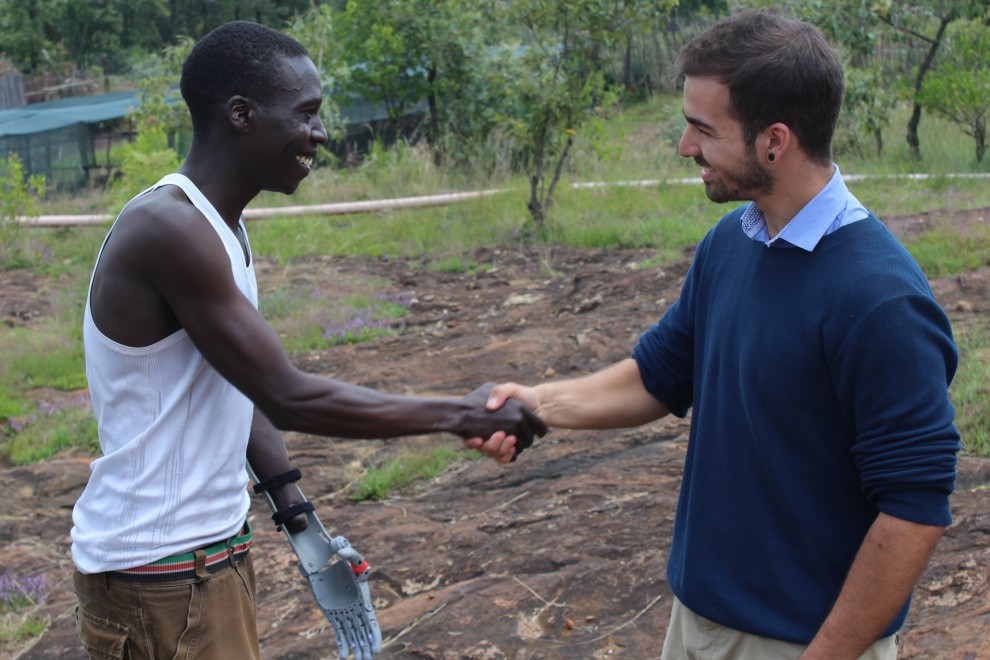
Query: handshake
<point x="499" y="427"/>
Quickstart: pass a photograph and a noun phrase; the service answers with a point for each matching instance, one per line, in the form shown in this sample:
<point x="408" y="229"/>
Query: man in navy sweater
<point x="809" y="345"/>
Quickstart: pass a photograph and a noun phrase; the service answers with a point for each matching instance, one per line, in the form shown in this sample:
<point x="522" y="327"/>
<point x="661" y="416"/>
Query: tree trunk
<point x="980" y="135"/>
<point x="912" y="128"/>
<point x="436" y="143"/>
<point x="627" y="62"/>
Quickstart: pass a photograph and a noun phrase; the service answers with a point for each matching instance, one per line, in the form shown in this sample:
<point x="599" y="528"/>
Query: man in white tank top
<point x="189" y="382"/>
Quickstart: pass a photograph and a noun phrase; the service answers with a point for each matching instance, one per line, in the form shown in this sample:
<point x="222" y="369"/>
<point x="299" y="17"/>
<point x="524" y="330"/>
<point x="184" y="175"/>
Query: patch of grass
<point x="62" y="252"/>
<point x="970" y="390"/>
<point x="668" y="217"/>
<point x="455" y="264"/>
<point x="19" y="627"/>
<point x="405" y="471"/>
<point x="316" y="319"/>
<point x="437" y="230"/>
<point x="11" y="404"/>
<point x="45" y="432"/>
<point x="49" y="354"/>
<point x="943" y="250"/>
<point x="19" y="599"/>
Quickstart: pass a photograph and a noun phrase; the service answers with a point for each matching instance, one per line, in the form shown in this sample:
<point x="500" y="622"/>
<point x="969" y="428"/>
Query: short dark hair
<point x="777" y="69"/>
<point x="239" y="57"/>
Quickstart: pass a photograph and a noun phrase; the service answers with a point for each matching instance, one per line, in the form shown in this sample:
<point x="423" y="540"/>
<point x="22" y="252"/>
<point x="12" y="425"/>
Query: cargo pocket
<point x="103" y="639"/>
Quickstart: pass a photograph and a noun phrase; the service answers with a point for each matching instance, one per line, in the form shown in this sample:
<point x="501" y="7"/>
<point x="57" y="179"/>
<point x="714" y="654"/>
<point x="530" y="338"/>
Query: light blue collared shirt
<point x="830" y="209"/>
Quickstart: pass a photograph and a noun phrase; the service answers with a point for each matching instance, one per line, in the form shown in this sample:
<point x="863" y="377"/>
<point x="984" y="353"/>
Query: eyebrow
<point x="697" y="122"/>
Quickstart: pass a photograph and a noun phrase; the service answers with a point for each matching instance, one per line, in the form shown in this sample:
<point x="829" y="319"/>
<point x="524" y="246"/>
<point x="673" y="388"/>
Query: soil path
<point x="559" y="555"/>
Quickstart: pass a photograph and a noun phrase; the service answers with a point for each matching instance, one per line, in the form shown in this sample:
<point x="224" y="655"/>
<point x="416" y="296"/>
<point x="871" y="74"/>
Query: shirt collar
<point x="826" y="212"/>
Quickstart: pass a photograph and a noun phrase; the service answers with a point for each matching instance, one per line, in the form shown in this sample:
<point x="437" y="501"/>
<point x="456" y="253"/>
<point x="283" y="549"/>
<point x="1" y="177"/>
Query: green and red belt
<point x="182" y="566"/>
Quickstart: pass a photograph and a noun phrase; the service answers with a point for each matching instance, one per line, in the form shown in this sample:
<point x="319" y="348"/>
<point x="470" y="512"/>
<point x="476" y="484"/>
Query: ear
<point x="776" y="139"/>
<point x="239" y="113"/>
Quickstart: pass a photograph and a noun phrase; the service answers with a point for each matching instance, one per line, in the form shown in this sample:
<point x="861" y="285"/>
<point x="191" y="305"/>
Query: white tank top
<point x="174" y="436"/>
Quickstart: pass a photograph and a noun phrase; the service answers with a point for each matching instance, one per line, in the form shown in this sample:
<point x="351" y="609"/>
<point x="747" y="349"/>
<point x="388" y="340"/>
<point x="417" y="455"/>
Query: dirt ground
<point x="559" y="555"/>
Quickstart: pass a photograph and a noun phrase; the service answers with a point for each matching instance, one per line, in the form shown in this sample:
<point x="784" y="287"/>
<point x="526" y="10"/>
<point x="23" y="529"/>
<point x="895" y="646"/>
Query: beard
<point x="742" y="184"/>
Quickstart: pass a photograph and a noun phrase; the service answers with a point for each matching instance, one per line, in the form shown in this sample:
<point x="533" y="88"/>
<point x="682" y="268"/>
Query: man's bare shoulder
<point x="160" y="248"/>
<point x="162" y="226"/>
<point x="165" y="210"/>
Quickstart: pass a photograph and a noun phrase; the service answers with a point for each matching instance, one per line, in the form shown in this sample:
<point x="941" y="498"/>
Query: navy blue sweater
<point x="819" y="386"/>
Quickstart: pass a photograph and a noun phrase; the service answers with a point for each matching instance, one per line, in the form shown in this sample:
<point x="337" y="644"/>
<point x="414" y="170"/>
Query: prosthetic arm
<point x="340" y="588"/>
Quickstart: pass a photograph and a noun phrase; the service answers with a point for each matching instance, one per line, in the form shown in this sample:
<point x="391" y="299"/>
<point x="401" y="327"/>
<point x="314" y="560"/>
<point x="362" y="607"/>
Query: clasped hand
<point x="501" y="434"/>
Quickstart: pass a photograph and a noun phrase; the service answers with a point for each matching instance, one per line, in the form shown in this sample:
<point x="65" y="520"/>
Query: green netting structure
<point x="57" y="138"/>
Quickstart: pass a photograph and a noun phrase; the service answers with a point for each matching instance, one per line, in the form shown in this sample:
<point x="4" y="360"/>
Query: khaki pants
<point x="208" y="617"/>
<point x="692" y="637"/>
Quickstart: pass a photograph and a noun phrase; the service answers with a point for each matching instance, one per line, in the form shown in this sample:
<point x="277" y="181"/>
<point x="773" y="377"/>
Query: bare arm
<point x="171" y="254"/>
<point x="885" y="571"/>
<point x="608" y="399"/>
<point x="611" y="398"/>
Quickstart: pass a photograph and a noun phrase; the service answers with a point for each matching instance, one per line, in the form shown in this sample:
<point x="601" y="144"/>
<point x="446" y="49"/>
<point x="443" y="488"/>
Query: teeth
<point x="305" y="161"/>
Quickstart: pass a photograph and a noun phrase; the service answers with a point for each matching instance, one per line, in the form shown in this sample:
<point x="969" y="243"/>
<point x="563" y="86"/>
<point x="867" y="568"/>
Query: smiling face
<point x="730" y="168"/>
<point x="288" y="131"/>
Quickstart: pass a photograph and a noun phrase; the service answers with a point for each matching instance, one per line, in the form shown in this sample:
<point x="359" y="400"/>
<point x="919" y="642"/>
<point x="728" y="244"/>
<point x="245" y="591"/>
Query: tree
<point x="159" y="101"/>
<point x="926" y="21"/>
<point x="853" y="26"/>
<point x="19" y="195"/>
<point x="561" y="84"/>
<point x="407" y="53"/>
<point x="28" y="29"/>
<point x="959" y="88"/>
<point x="866" y="108"/>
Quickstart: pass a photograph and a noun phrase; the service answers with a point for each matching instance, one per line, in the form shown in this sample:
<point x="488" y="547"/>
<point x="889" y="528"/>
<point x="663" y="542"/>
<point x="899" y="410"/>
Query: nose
<point x="319" y="131"/>
<point x="688" y="146"/>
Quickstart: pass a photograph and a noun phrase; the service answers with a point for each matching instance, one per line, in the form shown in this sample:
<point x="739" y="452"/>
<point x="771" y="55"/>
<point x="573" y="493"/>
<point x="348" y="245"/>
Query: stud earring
<point x="771" y="157"/>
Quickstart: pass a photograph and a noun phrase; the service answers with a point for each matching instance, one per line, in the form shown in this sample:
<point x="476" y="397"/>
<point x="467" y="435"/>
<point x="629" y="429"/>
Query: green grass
<point x="45" y="434"/>
<point x="971" y="389"/>
<point x="19" y="627"/>
<point x="19" y="601"/>
<point x="406" y="470"/>
<point x="312" y="319"/>
<point x="943" y="251"/>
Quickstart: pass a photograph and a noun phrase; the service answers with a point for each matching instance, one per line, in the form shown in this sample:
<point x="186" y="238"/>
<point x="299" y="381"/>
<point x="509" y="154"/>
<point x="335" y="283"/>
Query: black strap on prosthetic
<point x="288" y="512"/>
<point x="277" y="480"/>
<point x="283" y="515"/>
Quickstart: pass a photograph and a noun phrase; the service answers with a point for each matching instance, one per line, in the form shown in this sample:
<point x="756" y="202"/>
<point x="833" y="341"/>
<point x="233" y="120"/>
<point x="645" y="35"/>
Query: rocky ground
<point x="559" y="555"/>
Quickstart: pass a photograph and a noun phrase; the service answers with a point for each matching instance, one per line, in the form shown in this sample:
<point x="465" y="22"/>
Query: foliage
<point x="159" y="101"/>
<point x="142" y="163"/>
<point x="561" y="84"/>
<point x="959" y="88"/>
<point x="29" y="32"/>
<point x="925" y="21"/>
<point x="378" y="482"/>
<point x="76" y="35"/>
<point x="19" y="195"/>
<point x="866" y="111"/>
<point x="420" y="55"/>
